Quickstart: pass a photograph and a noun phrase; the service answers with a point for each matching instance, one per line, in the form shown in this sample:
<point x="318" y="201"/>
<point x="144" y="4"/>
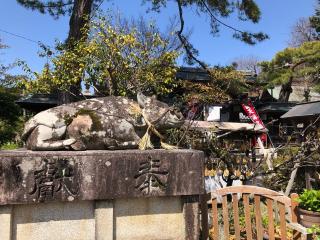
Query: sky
<point x="278" y="17"/>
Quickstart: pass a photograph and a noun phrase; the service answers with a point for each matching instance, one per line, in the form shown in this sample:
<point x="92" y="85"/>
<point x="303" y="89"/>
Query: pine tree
<point x="315" y="21"/>
<point x="291" y="64"/>
<point x="215" y="11"/>
<point x="302" y="61"/>
<point x="79" y="11"/>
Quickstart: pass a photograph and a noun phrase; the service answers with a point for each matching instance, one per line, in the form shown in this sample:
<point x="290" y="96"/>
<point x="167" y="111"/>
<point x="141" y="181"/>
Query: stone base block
<point x="54" y="221"/>
<point x="100" y="195"/>
<point x="120" y="219"/>
<point x="153" y="218"/>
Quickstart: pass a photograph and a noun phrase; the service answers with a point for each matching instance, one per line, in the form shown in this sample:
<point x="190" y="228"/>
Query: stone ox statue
<point x="100" y="123"/>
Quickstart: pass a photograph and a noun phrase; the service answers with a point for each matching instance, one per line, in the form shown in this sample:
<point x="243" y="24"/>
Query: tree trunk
<point x="77" y="32"/>
<point x="78" y="20"/>
<point x="113" y="88"/>
<point x="286" y="90"/>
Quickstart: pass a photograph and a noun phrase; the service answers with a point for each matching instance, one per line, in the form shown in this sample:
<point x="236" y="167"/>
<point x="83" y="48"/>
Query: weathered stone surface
<point x="100" y="195"/>
<point x="54" y="221"/>
<point x="28" y="177"/>
<point x="191" y="216"/>
<point x="150" y="218"/>
<point x="157" y="218"/>
<point x="5" y="222"/>
<point x="99" y="123"/>
<point x="104" y="219"/>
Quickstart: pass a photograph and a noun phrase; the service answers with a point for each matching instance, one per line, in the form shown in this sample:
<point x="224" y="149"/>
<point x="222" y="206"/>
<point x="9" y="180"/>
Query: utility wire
<point x="20" y="36"/>
<point x="39" y="42"/>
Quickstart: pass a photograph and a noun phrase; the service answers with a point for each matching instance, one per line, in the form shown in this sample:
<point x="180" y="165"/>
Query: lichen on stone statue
<point x="101" y="123"/>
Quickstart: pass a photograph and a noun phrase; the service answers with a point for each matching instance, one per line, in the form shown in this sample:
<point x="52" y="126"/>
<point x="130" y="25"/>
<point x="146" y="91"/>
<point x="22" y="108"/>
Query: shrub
<point x="310" y="200"/>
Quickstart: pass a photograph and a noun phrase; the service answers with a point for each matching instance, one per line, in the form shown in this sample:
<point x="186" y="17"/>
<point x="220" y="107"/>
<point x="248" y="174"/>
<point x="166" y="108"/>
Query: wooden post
<point x="247" y="214"/>
<point x="294" y="217"/>
<point x="235" y="205"/>
<point x="258" y="215"/>
<point x="270" y="218"/>
<point x="225" y="216"/>
<point x="215" y="222"/>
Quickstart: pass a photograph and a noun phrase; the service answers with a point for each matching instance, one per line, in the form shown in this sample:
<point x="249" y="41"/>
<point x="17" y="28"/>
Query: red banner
<point x="254" y="116"/>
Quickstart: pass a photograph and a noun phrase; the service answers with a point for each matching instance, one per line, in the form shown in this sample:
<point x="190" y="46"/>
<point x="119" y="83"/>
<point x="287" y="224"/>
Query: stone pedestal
<point x="100" y="195"/>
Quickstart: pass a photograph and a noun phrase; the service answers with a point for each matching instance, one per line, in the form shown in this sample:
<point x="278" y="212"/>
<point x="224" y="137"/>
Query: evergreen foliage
<point x="54" y="8"/>
<point x="315" y="20"/>
<point x="247" y="10"/>
<point x="294" y="63"/>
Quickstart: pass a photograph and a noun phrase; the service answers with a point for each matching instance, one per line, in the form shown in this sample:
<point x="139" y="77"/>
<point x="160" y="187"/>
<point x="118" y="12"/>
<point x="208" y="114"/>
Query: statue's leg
<point x="131" y="142"/>
<point x="46" y="138"/>
<point x="110" y="143"/>
<point x="114" y="144"/>
<point x="128" y="144"/>
<point x="123" y="136"/>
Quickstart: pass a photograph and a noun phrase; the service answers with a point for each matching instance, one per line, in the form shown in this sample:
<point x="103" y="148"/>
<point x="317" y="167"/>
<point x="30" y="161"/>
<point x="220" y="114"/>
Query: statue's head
<point x="160" y="114"/>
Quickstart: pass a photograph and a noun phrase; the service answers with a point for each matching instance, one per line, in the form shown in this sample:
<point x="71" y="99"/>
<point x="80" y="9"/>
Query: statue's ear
<point x="142" y="100"/>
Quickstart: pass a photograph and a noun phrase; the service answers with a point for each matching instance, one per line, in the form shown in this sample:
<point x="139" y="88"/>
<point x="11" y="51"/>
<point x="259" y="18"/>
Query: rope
<point x="145" y="142"/>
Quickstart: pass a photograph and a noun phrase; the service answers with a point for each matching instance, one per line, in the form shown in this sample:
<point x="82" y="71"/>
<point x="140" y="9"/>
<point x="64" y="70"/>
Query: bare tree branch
<point x="219" y="21"/>
<point x="185" y="42"/>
